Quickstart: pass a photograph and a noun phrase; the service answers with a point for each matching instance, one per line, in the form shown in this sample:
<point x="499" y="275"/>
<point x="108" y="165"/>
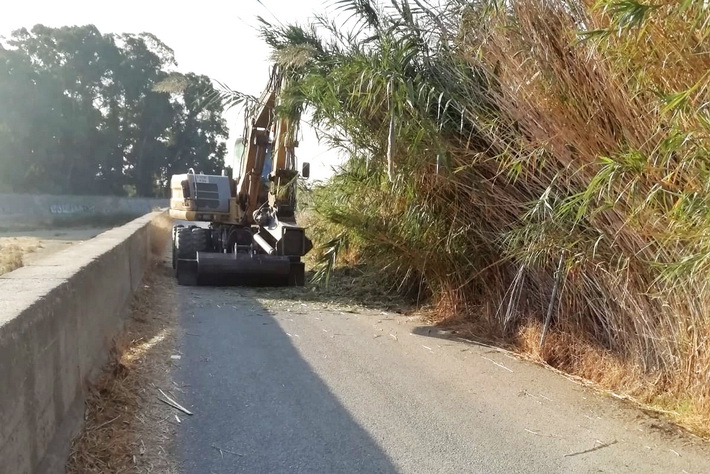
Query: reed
<point x="511" y="160"/>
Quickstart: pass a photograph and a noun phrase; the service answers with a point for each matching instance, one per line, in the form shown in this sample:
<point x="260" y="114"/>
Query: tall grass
<point x="12" y="251"/>
<point x="528" y="163"/>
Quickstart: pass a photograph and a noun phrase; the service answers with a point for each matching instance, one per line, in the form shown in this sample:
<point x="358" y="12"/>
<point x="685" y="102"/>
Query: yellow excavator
<point x="248" y="233"/>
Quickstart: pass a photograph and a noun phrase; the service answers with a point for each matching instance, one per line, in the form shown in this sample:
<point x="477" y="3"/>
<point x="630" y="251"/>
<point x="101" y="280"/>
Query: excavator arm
<point x="257" y="152"/>
<point x="268" y="172"/>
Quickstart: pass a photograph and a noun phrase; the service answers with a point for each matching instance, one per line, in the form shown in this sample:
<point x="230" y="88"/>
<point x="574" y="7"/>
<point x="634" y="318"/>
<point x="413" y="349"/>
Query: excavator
<point x="243" y="230"/>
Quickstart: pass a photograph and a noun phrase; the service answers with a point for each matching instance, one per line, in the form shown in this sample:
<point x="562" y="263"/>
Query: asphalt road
<point x="279" y="385"/>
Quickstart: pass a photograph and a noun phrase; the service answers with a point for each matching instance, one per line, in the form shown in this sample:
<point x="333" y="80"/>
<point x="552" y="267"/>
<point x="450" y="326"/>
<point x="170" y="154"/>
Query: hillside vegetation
<point x="527" y="161"/>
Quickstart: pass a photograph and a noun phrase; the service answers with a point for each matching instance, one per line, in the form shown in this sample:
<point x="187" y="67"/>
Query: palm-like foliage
<point x="518" y="135"/>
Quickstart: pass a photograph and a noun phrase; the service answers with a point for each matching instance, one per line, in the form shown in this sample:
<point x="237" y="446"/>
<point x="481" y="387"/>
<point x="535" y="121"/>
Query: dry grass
<point x="604" y="370"/>
<point x="12" y="251"/>
<point x="577" y="133"/>
<point x="127" y="429"/>
<point x="610" y="168"/>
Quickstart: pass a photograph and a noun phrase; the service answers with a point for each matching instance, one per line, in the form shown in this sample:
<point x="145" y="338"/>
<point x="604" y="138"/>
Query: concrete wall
<point x="57" y="320"/>
<point x="19" y="211"/>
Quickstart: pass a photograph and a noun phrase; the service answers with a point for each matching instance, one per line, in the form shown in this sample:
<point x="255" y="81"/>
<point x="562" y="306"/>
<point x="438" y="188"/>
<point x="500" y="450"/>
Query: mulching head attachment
<point x="237" y="269"/>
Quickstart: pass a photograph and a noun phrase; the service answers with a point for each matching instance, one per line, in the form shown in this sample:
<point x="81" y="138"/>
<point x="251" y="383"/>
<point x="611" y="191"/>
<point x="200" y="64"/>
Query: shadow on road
<point x="446" y="333"/>
<point x="258" y="406"/>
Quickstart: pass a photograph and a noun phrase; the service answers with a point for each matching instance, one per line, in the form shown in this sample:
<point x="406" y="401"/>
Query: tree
<point x="80" y="114"/>
<point x="198" y="129"/>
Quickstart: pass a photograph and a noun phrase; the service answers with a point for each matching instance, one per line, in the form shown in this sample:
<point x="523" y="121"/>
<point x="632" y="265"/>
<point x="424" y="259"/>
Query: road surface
<point x="281" y="385"/>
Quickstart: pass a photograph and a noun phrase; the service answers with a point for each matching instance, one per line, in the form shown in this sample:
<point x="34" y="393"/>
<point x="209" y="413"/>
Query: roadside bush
<point x="537" y="168"/>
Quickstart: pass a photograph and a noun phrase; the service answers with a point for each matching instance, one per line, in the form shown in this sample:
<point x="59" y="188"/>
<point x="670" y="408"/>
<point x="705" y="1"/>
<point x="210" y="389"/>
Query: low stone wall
<point x="58" y="317"/>
<point x="22" y="211"/>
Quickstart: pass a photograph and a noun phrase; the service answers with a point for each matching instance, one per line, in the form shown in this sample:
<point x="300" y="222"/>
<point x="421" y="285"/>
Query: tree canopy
<point x="80" y="113"/>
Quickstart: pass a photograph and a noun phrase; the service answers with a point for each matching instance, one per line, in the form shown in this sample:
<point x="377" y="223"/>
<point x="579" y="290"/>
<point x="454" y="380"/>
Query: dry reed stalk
<point x="575" y="129"/>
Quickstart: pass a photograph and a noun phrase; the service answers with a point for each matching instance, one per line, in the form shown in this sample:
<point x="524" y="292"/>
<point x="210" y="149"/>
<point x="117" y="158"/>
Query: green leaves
<point x="228" y="97"/>
<point x="89" y="113"/>
<point x="524" y="144"/>
<point x="364" y="12"/>
<point x="328" y="258"/>
<point x="629" y="13"/>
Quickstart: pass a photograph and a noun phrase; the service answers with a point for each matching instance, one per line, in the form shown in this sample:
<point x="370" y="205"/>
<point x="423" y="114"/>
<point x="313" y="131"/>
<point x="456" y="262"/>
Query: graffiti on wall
<point x="19" y="210"/>
<point x="66" y="208"/>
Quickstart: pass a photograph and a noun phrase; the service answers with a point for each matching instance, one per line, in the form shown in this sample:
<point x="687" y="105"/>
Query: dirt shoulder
<point x="128" y="428"/>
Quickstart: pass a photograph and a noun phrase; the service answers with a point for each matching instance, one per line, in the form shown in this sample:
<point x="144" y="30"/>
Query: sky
<point x="218" y="38"/>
